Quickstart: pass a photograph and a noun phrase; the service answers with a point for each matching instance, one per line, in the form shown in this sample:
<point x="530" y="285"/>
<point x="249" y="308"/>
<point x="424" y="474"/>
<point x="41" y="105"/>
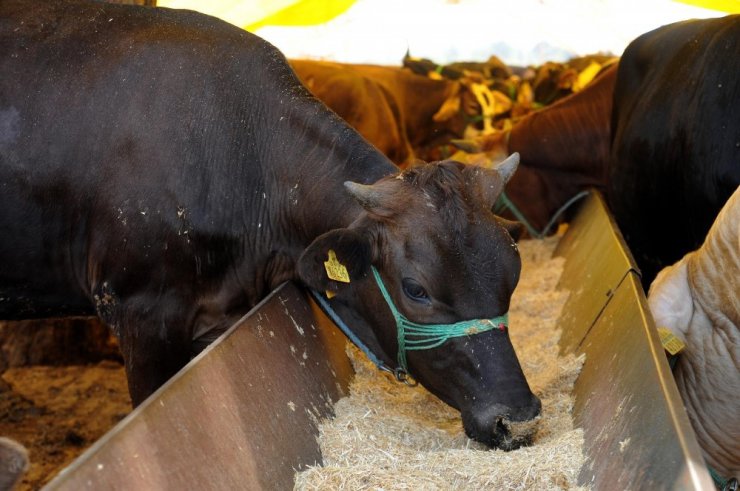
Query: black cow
<point x="675" y="153"/>
<point x="167" y="170"/>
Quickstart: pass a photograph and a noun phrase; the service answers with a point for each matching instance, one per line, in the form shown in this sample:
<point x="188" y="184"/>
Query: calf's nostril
<point x="521" y="432"/>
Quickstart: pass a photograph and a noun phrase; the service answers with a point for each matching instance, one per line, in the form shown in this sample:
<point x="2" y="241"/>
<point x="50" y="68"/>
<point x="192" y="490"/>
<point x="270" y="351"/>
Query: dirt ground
<point x="56" y="412"/>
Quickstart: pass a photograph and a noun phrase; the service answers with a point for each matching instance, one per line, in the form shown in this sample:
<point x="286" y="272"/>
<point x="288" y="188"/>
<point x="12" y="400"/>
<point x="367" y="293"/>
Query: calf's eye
<point x="414" y="291"/>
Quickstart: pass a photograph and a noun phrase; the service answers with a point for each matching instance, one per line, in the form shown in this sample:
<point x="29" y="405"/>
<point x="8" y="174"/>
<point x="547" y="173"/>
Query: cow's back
<point x="366" y="105"/>
<point x="419" y="99"/>
<point x="675" y="155"/>
<point x="122" y="133"/>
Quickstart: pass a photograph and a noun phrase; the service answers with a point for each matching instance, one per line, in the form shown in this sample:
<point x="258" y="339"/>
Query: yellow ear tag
<point x="670" y="342"/>
<point x="336" y="270"/>
<point x="330" y="294"/>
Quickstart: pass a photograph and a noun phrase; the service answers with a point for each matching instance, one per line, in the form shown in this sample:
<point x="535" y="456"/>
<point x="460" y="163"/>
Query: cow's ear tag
<point x="336" y="270"/>
<point x="670" y="342"/>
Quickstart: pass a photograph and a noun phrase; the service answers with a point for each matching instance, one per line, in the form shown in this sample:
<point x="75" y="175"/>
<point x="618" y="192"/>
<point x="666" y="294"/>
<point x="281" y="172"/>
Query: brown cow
<point x="364" y="104"/>
<point x="564" y="149"/>
<point x="435" y="111"/>
<point x="417" y="111"/>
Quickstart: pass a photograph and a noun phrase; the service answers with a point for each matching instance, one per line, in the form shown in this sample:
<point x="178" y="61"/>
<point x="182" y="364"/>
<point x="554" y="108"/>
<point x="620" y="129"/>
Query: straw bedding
<point x="387" y="436"/>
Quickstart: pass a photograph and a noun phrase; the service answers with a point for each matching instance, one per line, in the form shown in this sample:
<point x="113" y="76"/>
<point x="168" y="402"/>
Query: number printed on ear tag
<point x="336" y="270"/>
<point x="671" y="343"/>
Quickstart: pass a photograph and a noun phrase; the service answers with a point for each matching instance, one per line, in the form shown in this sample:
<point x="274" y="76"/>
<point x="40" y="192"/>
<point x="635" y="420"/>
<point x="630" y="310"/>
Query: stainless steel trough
<point x="241" y="415"/>
<point x="244" y="413"/>
<point x="637" y="434"/>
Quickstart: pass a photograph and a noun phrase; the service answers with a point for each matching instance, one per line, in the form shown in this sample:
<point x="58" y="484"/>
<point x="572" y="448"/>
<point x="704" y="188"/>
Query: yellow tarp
<point x="253" y="14"/>
<point x="729" y="6"/>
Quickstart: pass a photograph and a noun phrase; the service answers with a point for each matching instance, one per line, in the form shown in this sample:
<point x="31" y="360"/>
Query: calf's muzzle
<point x="501" y="426"/>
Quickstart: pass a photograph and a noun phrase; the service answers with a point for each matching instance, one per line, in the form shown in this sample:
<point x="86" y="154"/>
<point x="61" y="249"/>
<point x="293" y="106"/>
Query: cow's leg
<point x="151" y="358"/>
<point x="154" y="347"/>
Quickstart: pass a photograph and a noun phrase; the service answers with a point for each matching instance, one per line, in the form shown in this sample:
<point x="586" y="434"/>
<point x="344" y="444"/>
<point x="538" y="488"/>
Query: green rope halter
<point x="413" y="336"/>
<point x="504" y="203"/>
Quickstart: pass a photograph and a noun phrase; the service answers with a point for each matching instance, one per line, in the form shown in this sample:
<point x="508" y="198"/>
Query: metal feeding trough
<point x="244" y="414"/>
<point x="636" y="431"/>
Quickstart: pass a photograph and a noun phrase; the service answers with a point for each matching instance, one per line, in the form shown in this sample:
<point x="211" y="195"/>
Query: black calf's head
<point x="428" y="238"/>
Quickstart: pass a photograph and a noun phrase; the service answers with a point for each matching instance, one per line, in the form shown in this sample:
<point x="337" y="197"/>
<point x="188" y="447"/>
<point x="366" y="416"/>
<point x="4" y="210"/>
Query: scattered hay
<point x="390" y="437"/>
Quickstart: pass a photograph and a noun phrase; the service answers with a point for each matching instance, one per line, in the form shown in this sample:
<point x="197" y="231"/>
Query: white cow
<point x="698" y="298"/>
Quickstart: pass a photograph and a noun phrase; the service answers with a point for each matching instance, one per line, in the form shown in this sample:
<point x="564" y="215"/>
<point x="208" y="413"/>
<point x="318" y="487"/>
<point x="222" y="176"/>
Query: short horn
<point x="365" y="194"/>
<point x="507" y="168"/>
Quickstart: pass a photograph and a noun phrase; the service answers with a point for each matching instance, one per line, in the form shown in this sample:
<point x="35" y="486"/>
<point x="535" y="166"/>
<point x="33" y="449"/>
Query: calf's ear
<point x="334" y="260"/>
<point x="467" y="145"/>
<point x="450" y="106"/>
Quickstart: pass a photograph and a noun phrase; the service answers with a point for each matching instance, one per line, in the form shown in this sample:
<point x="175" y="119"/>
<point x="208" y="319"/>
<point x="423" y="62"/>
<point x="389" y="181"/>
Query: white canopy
<point x="519" y="32"/>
